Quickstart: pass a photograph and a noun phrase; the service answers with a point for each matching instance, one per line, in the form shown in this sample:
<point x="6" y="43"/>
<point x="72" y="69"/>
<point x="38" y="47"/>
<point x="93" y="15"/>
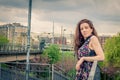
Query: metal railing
<point x="40" y="71"/>
<point x="37" y="71"/>
<point x="92" y="72"/>
<point x="104" y="75"/>
<point x="8" y="49"/>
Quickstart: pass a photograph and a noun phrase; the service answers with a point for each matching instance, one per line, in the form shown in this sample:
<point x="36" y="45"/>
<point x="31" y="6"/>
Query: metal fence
<point x="8" y="49"/>
<point x="15" y="47"/>
<point x="37" y="71"/>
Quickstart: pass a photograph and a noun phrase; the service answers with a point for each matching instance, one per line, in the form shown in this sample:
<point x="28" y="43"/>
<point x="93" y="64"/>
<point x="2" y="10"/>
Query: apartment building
<point x="15" y="32"/>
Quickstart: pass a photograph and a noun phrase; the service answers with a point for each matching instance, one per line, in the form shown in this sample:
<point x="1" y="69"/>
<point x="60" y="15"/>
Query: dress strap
<point x="88" y="37"/>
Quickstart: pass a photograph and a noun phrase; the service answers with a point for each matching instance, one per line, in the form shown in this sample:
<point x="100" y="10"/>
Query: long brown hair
<point x="78" y="38"/>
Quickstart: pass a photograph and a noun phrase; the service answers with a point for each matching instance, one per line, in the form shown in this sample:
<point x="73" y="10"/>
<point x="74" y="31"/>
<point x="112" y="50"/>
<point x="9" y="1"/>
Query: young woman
<point x="87" y="49"/>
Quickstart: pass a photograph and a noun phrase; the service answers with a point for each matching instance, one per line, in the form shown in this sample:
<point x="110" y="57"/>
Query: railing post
<point x="49" y="72"/>
<point x="92" y="72"/>
<point x="52" y="71"/>
<point x="0" y="71"/>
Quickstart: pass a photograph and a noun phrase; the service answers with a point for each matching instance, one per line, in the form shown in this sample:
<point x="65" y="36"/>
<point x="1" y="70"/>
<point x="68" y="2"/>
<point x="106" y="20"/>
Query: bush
<point x="52" y="53"/>
<point x="112" y="51"/>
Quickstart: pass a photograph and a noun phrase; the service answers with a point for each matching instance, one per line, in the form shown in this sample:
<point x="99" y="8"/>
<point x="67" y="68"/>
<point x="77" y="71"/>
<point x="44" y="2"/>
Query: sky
<point x="105" y="14"/>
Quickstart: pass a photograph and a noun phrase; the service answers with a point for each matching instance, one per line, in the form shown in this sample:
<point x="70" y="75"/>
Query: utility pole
<point x="53" y="34"/>
<point x="71" y="40"/>
<point x="28" y="39"/>
<point x="13" y="37"/>
<point x="63" y="39"/>
<point x="61" y="36"/>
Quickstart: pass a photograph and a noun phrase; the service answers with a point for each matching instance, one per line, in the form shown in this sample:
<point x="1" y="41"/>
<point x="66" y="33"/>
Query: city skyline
<point x="104" y="14"/>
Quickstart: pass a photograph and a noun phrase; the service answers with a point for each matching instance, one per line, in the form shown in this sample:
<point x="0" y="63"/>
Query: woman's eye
<point x="81" y="28"/>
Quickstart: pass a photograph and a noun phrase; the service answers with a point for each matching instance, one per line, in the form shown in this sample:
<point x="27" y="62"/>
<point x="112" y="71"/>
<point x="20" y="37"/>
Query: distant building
<point x="15" y="32"/>
<point x="103" y="39"/>
<point x="58" y="38"/>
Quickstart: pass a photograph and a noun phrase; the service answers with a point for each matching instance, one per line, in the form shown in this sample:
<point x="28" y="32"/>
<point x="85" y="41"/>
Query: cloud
<point x="104" y="14"/>
<point x="10" y="15"/>
<point x="14" y="3"/>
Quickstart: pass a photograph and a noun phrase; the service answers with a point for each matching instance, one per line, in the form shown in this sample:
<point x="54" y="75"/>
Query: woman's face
<point x="85" y="30"/>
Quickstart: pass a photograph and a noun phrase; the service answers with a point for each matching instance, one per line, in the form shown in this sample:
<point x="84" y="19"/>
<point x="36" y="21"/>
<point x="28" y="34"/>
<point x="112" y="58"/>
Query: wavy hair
<point x="78" y="38"/>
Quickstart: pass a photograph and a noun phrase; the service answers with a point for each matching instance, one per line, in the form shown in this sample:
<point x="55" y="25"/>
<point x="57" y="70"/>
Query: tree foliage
<point x="112" y="51"/>
<point x="52" y="53"/>
<point x="67" y="63"/>
<point x="3" y="40"/>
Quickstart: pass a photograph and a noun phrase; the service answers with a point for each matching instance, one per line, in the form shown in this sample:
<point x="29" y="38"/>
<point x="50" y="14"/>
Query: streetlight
<point x="63" y="42"/>
<point x="62" y="37"/>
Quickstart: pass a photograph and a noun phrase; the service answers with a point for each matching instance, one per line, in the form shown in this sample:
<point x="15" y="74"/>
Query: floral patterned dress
<point x="85" y="67"/>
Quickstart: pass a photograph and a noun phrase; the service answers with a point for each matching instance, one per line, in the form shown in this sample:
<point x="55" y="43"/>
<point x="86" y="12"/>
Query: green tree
<point x="3" y="40"/>
<point x="112" y="51"/>
<point x="68" y="62"/>
<point x="52" y="53"/>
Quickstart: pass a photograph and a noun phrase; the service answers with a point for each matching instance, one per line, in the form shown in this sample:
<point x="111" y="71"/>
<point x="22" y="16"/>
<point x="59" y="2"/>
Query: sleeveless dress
<point x="85" y="67"/>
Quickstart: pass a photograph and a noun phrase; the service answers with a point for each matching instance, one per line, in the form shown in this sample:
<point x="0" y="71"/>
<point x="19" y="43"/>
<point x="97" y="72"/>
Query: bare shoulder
<point x="94" y="39"/>
<point x="95" y="42"/>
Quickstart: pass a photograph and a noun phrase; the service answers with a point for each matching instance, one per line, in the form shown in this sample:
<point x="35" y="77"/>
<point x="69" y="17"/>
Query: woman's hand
<point x="79" y="63"/>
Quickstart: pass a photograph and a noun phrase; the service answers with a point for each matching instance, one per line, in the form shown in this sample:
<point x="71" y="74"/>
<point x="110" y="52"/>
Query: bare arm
<point x="98" y="50"/>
